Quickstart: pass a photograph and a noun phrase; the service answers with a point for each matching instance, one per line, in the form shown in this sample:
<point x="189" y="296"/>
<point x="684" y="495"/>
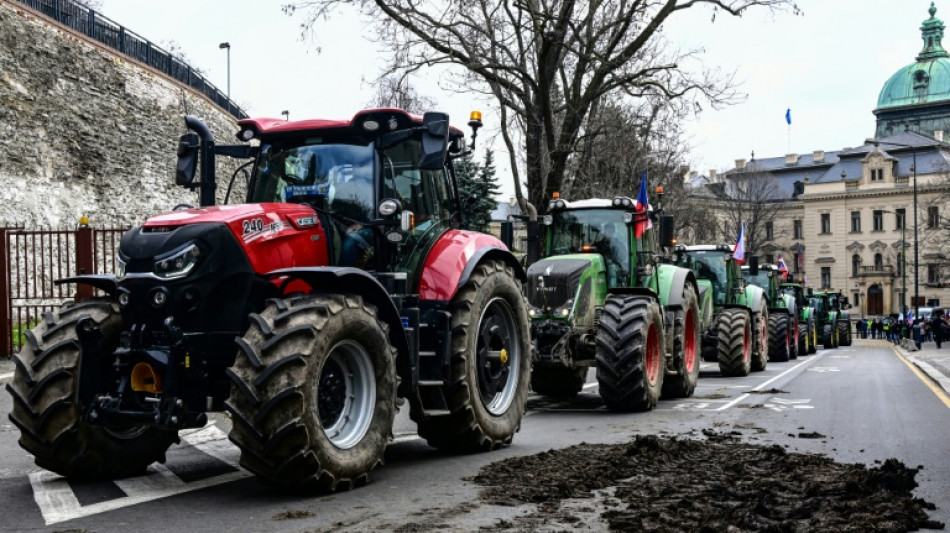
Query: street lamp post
<point x="286" y="114"/>
<point x="227" y="46"/>
<point x="903" y="264"/>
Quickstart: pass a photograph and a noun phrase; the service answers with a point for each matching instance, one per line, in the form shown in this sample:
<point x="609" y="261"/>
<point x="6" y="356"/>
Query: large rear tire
<point x="491" y="365"/>
<point x="844" y="333"/>
<point x="313" y="393"/>
<point x="760" y="340"/>
<point x="813" y="334"/>
<point x="630" y="366"/>
<point x="804" y="339"/>
<point x="686" y="348"/>
<point x="778" y="338"/>
<point x="829" y="332"/>
<point x="558" y="381"/>
<point x="44" y="389"/>
<point x="734" y="350"/>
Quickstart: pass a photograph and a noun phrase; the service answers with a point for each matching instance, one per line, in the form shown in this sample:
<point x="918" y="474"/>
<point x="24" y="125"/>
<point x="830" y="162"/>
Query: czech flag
<point x="642" y="206"/>
<point x="781" y="265"/>
<point x="738" y="251"/>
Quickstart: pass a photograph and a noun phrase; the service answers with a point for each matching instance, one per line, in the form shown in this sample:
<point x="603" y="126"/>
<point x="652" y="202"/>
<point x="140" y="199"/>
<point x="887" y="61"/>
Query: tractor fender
<point x="454" y="257"/>
<point x="107" y="283"/>
<point x="755" y="297"/>
<point x="672" y="281"/>
<point x="356" y="281"/>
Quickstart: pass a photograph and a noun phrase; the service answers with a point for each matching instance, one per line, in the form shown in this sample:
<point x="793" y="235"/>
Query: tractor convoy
<point x="338" y="291"/>
<point x="342" y="289"/>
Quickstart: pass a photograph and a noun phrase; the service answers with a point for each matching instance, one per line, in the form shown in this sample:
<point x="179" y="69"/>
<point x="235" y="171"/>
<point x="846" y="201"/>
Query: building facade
<point x="871" y="221"/>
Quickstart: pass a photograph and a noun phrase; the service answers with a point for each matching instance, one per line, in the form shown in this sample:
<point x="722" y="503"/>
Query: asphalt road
<point x="859" y="404"/>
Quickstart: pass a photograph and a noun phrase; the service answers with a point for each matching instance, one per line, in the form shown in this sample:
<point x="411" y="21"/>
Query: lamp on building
<point x="227" y="46"/>
<point x="913" y="169"/>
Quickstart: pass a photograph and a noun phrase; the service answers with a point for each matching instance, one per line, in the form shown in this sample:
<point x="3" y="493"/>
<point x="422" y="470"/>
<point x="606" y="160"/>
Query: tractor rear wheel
<point x="313" y="392"/>
<point x="630" y="353"/>
<point x="760" y="342"/>
<point x="558" y="381"/>
<point x="686" y="348"/>
<point x="778" y="338"/>
<point x="804" y="339"/>
<point x="44" y="390"/>
<point x="734" y="350"/>
<point x="830" y="332"/>
<point x="487" y="392"/>
<point x="813" y="335"/>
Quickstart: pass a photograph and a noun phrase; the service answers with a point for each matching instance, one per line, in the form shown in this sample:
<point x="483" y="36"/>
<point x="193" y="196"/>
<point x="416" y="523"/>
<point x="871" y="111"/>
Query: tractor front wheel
<point x="313" y="393"/>
<point x="686" y="348"/>
<point x="734" y="349"/>
<point x="487" y="392"/>
<point x="44" y="390"/>
<point x="778" y="338"/>
<point x="844" y="332"/>
<point x="630" y="353"/>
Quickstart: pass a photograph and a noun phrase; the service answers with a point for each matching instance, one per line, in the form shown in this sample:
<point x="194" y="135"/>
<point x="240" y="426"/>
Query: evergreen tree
<point x="478" y="188"/>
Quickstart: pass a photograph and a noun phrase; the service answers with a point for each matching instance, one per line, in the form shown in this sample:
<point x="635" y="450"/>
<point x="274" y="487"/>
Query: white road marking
<point x="58" y="503"/>
<point x="781" y="404"/>
<point x="824" y="369"/>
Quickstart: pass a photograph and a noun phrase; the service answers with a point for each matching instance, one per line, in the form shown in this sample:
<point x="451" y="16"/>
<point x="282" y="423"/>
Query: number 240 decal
<point x="253" y="225"/>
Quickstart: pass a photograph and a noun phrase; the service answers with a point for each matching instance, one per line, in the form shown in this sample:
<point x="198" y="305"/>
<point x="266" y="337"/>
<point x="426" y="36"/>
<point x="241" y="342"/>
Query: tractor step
<point x="431" y="382"/>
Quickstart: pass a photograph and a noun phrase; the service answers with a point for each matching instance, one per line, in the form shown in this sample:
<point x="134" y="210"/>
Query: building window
<point x="878" y="220"/>
<point x="878" y="261"/>
<point x="825" y="277"/>
<point x="855" y="221"/>
<point x="856" y="299"/>
<point x="933" y="217"/>
<point x="797" y="229"/>
<point x="769" y="233"/>
<point x="933" y="273"/>
<point x="877" y="174"/>
<point x="855" y="264"/>
<point x="900" y="220"/>
<point x="825" y="223"/>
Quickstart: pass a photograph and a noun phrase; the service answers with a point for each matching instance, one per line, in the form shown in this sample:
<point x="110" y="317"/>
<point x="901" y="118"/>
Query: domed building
<point x="917" y="97"/>
<point x="870" y="221"/>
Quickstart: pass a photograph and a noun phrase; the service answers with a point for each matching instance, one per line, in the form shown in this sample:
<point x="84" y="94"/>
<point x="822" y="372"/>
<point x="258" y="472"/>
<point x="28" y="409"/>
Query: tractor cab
<point x="713" y="264"/>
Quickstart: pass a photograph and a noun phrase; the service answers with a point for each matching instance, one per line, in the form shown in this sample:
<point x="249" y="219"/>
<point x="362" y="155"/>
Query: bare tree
<point x="750" y="198"/>
<point x="395" y="91"/>
<point x="546" y="62"/>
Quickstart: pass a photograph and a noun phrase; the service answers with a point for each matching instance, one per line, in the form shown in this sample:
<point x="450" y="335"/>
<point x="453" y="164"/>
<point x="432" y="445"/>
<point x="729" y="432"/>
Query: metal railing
<point x="100" y="28"/>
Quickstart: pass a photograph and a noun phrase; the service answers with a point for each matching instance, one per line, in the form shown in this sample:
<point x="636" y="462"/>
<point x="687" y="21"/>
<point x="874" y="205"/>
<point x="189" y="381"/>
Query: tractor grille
<point x="551" y="282"/>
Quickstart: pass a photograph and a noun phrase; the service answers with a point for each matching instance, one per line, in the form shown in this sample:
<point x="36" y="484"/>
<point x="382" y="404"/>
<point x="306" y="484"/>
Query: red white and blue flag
<point x="643" y="204"/>
<point x="781" y="265"/>
<point x="738" y="251"/>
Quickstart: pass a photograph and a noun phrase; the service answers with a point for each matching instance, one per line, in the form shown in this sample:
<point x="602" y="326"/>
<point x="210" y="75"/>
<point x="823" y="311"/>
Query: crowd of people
<point x="936" y="329"/>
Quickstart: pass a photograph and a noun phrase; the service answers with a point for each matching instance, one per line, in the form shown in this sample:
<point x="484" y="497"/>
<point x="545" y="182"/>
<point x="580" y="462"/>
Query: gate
<point x="30" y="262"/>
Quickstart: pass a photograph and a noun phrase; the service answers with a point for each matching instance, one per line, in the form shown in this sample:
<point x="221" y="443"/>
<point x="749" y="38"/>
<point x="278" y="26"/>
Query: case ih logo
<point x="306" y="221"/>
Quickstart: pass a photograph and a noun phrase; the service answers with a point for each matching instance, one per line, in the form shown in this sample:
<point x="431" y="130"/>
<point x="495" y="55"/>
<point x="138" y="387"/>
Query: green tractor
<point x="783" y="314"/>
<point x="599" y="297"/>
<point x="734" y="315"/>
<point x="833" y="319"/>
<point x="807" y="330"/>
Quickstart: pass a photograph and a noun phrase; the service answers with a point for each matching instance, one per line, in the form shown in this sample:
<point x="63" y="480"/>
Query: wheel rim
<point x="498" y="357"/>
<point x="689" y="343"/>
<point x="346" y="394"/>
<point x="653" y="355"/>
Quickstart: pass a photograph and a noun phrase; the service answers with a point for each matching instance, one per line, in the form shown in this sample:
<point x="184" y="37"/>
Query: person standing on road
<point x="938" y="327"/>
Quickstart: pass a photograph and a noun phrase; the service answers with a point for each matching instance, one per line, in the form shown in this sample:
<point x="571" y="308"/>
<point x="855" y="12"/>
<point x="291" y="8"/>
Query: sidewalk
<point x="932" y="361"/>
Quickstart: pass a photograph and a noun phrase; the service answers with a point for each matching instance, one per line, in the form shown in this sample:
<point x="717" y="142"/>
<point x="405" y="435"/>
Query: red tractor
<point x="339" y="290"/>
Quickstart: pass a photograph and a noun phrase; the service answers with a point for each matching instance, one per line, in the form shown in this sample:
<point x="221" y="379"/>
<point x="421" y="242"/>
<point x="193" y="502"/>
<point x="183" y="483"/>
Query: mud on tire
<point x="558" y="381"/>
<point x="630" y="353"/>
<point x="734" y="350"/>
<point x="686" y="348"/>
<point x="44" y="390"/>
<point x="313" y="392"/>
<point x="487" y="392"/>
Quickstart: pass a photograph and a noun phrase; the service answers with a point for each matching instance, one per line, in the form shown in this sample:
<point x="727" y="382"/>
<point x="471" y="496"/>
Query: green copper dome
<point x="927" y="80"/>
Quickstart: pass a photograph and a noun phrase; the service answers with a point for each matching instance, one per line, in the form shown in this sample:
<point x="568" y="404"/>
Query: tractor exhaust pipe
<point x="193" y="147"/>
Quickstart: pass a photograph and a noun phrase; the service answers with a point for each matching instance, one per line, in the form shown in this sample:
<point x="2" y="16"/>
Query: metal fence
<point x="102" y="29"/>
<point x="31" y="261"/>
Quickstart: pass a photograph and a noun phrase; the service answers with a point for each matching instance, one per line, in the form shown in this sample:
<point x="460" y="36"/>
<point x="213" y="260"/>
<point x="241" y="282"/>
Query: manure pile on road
<point x="666" y="484"/>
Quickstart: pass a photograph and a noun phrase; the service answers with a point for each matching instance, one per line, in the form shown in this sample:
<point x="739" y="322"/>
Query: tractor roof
<point x="709" y="248"/>
<point x="599" y="203"/>
<point x="387" y="119"/>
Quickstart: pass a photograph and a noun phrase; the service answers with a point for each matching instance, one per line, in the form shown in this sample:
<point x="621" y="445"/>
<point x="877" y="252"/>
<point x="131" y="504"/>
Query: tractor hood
<point x="552" y="281"/>
<point x="228" y="214"/>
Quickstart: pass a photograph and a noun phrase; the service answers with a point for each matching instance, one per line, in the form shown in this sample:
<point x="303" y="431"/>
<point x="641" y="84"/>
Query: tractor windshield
<point x="761" y="279"/>
<point x="709" y="265"/>
<point x="600" y="231"/>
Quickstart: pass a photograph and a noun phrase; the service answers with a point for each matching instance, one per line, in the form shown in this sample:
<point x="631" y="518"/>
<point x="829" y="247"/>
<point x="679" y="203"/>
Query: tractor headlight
<point x="388" y="207"/>
<point x="179" y="264"/>
<point x="119" y="267"/>
<point x="534" y="312"/>
<point x="565" y="310"/>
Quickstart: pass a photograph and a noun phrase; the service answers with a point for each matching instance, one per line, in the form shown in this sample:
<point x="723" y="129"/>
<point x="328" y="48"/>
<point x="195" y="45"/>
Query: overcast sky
<point x="827" y="66"/>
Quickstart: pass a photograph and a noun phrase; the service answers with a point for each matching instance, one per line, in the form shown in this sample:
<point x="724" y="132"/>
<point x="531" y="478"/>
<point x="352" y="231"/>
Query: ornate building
<point x="848" y="217"/>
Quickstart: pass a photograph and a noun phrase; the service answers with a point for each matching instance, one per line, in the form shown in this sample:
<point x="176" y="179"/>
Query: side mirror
<point x="187" y="159"/>
<point x="753" y="266"/>
<point x="508" y="233"/>
<point x="666" y="231"/>
<point x="435" y="140"/>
